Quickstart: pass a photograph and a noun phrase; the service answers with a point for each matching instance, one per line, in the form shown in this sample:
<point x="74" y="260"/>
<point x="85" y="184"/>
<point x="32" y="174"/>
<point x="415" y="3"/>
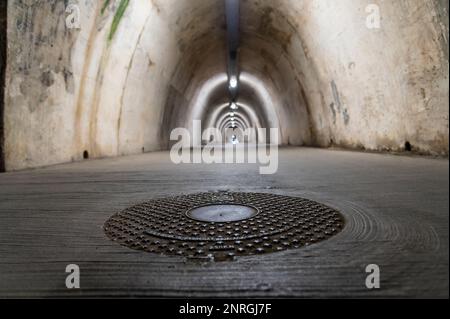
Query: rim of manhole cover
<point x="251" y="223"/>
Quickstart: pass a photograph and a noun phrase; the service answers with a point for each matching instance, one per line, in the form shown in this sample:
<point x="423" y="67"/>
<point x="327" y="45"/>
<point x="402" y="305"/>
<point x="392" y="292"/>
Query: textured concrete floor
<point x="396" y="209"/>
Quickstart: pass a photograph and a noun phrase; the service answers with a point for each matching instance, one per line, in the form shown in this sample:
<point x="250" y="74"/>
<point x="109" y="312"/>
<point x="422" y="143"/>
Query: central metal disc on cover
<point x="221" y="213"/>
<point x="220" y="226"/>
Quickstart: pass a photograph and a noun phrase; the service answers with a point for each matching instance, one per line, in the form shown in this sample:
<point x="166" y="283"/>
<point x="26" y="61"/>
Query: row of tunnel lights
<point x="233" y="83"/>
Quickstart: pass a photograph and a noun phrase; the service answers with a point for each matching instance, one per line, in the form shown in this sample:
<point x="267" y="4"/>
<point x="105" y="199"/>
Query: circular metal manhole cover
<point x="223" y="225"/>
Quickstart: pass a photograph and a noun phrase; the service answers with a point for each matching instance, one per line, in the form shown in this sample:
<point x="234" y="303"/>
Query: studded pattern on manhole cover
<point x="251" y="223"/>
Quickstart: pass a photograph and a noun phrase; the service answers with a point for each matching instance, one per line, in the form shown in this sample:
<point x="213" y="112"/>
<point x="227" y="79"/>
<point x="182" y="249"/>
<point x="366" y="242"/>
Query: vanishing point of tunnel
<point x="224" y="148"/>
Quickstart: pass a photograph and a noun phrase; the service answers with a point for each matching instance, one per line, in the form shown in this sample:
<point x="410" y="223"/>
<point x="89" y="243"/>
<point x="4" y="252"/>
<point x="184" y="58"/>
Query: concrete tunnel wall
<point x="309" y="67"/>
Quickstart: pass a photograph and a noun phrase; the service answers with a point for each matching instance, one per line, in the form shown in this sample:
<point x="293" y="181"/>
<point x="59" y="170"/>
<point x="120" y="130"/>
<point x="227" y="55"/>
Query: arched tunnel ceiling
<point x="269" y="83"/>
<point x="309" y="68"/>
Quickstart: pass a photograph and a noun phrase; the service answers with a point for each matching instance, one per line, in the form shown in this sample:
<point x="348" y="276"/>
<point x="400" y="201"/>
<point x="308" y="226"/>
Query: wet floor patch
<point x="222" y="226"/>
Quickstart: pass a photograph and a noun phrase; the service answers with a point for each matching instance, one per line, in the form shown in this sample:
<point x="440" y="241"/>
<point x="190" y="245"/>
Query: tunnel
<point x="356" y="92"/>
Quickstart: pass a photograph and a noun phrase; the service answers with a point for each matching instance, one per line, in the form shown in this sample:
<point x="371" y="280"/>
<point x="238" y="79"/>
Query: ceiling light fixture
<point x="233" y="82"/>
